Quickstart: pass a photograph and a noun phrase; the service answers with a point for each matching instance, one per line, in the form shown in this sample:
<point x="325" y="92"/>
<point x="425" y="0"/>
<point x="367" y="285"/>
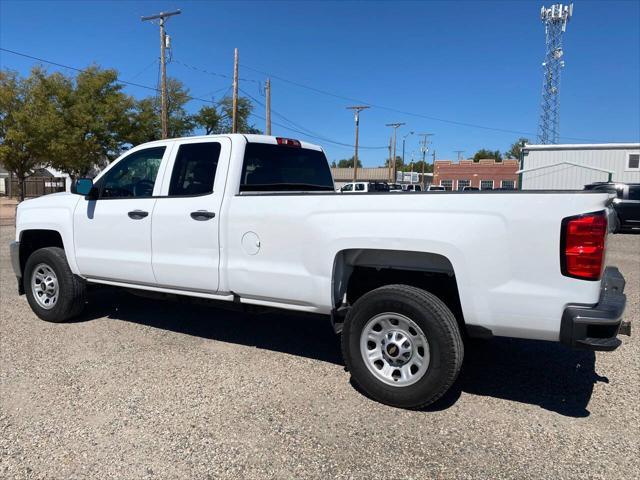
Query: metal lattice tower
<point x="555" y="19"/>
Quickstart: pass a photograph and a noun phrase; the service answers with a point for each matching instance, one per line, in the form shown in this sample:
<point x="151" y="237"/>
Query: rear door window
<point x="277" y="168"/>
<point x="634" y="192"/>
<point x="194" y="169"/>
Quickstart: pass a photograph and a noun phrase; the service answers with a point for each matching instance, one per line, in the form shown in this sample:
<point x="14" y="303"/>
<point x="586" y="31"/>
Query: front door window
<point x="133" y="176"/>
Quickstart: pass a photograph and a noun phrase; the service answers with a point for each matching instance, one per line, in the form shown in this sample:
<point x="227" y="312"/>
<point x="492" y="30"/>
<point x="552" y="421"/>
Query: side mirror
<point x="82" y="186"/>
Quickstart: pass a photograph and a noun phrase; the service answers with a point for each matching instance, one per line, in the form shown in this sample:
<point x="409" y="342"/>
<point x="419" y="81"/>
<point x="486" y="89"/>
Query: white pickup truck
<point x="254" y="220"/>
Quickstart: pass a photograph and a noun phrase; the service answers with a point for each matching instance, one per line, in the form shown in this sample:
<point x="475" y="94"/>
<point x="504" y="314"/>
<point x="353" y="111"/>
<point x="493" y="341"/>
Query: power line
<point x="403" y="112"/>
<point x="213" y="92"/>
<point x="311" y="132"/>
<point x="302" y="130"/>
<point x="157" y="90"/>
<point x="81" y="70"/>
<point x="84" y="70"/>
<point x="145" y="69"/>
<point x="381" y="107"/>
<point x="213" y="74"/>
<point x="189" y="97"/>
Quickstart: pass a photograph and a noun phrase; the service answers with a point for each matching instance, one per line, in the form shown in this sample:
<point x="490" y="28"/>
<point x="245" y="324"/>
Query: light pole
<point x="356" y="109"/>
<point x="404" y="138"/>
<point x="424" y="148"/>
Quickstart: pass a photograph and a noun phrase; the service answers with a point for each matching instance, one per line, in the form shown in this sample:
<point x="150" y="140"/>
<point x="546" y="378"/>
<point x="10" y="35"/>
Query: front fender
<point x="50" y="212"/>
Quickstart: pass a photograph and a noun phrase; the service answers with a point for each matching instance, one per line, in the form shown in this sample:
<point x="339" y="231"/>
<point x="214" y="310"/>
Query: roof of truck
<point x="252" y="138"/>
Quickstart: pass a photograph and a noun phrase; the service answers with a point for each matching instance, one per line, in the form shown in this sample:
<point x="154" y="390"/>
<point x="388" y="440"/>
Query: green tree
<point x="245" y="108"/>
<point x="96" y="121"/>
<point x="348" y="162"/>
<point x="399" y="164"/>
<point x="29" y="120"/>
<point x="145" y="121"/>
<point x="181" y="123"/>
<point x="417" y="166"/>
<point x="484" y="154"/>
<point x="208" y="119"/>
<point x="516" y="148"/>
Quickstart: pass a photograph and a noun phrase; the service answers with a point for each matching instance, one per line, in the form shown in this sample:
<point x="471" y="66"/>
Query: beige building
<point x="369" y="174"/>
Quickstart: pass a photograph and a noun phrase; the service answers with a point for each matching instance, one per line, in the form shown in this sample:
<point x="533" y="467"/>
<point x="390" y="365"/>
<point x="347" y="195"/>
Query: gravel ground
<point x="148" y="389"/>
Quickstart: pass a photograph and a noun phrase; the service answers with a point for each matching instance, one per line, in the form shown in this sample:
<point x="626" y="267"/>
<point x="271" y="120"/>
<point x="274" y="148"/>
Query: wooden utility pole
<point x="390" y="166"/>
<point x="356" y="110"/>
<point x="164" y="113"/>
<point x="395" y="130"/>
<point x="234" y="120"/>
<point x="433" y="165"/>
<point x="267" y="91"/>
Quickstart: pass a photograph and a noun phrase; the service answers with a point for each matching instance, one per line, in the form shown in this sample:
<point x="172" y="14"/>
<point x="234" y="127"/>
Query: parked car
<point x="436" y="188"/>
<point x="365" y="187"/>
<point x="414" y="187"/>
<point x="254" y="221"/>
<point x="470" y="189"/>
<point x="626" y="204"/>
<point x="395" y="187"/>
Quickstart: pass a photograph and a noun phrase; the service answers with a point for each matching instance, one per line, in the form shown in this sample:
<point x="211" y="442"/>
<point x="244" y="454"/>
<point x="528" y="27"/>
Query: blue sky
<point x="469" y="62"/>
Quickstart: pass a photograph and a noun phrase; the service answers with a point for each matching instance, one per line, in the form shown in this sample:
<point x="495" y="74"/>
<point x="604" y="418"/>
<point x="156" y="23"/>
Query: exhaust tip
<point x="625" y="328"/>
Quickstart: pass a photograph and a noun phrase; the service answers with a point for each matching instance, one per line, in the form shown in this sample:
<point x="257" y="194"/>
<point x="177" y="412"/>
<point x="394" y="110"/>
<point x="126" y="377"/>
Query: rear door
<point x="186" y="217"/>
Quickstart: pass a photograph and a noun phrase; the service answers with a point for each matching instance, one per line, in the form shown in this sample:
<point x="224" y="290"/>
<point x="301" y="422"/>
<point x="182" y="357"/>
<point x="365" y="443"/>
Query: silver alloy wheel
<point x="44" y="286"/>
<point x="394" y="349"/>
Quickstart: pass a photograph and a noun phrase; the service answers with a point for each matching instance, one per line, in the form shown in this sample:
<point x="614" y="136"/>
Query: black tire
<point x="72" y="290"/>
<point x="442" y="334"/>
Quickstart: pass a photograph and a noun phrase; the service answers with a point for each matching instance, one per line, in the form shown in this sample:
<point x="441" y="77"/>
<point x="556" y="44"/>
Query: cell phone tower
<point x="555" y="19"/>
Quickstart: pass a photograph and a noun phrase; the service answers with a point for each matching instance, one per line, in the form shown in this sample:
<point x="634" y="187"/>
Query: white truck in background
<point x="254" y="220"/>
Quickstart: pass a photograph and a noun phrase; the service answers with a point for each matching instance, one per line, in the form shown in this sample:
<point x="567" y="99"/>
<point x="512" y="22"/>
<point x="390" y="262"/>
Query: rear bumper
<point x="14" y="251"/>
<point x="596" y="327"/>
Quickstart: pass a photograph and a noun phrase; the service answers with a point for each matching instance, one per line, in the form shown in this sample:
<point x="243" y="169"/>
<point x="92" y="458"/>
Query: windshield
<point x="273" y="168"/>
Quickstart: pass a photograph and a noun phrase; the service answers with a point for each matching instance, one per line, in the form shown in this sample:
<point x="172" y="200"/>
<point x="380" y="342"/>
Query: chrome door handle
<point x="202" y="215"/>
<point x="137" y="214"/>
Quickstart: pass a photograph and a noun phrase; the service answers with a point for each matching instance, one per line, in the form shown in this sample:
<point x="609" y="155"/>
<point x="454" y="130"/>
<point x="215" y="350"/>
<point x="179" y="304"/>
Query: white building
<point x="571" y="167"/>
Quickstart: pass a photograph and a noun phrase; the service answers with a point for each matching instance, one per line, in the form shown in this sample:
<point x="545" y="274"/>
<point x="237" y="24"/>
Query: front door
<point x="186" y="218"/>
<point x="112" y="234"/>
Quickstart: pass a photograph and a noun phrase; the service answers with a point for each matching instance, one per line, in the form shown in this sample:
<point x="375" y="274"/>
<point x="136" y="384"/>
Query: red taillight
<point x="289" y="142"/>
<point x="582" y="245"/>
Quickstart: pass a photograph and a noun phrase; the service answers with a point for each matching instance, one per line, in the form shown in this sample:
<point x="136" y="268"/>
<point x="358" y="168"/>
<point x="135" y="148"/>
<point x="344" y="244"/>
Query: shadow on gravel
<point x="546" y="374"/>
<point x="540" y="373"/>
<point x="305" y="335"/>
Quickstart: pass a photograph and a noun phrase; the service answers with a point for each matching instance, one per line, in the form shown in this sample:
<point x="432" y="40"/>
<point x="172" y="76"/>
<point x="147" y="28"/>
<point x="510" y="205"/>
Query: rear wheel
<point x="402" y="346"/>
<point x="54" y="293"/>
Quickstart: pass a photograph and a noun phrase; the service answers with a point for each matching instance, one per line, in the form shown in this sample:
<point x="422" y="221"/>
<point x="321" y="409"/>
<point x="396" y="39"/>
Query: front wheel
<point x="54" y="293"/>
<point x="402" y="346"/>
